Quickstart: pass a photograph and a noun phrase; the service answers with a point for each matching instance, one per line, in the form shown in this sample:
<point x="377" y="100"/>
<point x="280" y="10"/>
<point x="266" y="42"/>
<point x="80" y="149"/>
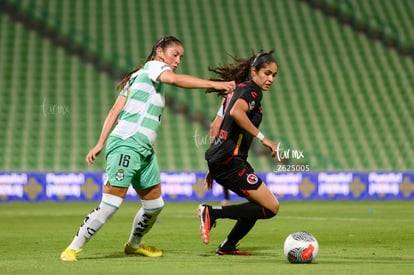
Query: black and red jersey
<point x="232" y="141"/>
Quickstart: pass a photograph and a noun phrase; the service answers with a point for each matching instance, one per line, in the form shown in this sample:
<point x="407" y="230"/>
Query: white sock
<point x="95" y="220"/>
<point x="144" y="220"/>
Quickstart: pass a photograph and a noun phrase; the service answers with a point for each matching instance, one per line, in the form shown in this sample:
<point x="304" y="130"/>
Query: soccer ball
<point x="300" y="247"/>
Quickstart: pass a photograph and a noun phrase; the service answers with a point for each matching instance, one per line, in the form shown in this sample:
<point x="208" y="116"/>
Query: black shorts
<point x="237" y="176"/>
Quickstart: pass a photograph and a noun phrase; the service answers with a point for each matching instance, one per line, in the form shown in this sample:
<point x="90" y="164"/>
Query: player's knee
<point x="154" y="206"/>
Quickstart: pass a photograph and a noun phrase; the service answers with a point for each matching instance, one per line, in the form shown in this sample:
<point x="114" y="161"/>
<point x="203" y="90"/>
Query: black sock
<point x="248" y="210"/>
<point x="242" y="227"/>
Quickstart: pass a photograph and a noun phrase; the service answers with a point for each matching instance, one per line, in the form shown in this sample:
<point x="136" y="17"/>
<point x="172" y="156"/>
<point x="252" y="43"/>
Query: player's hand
<point x="93" y="153"/>
<point x="271" y="145"/>
<point x="227" y="86"/>
<point x="208" y="181"/>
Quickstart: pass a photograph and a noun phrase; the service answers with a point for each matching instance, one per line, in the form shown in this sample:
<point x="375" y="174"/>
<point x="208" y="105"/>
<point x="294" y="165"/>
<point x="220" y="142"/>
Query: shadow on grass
<point x="259" y="254"/>
<point x="96" y="256"/>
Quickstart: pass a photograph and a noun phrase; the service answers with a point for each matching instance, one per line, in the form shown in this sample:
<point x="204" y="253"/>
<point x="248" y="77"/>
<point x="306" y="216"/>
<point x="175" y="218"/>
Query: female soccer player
<point x="130" y="158"/>
<point x="227" y="155"/>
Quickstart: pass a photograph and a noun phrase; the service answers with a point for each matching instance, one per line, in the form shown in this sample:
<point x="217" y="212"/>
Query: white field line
<point x="344" y="219"/>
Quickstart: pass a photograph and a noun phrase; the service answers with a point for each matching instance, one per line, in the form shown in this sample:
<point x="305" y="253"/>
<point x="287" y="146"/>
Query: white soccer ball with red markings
<point x="300" y="247"/>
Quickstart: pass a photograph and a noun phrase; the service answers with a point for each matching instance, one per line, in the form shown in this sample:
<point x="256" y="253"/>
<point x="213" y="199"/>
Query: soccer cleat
<point x="144" y="250"/>
<point x="70" y="255"/>
<point x="232" y="252"/>
<point x="206" y="222"/>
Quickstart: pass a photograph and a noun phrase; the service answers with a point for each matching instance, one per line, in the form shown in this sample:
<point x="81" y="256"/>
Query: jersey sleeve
<point x="124" y="91"/>
<point x="155" y="68"/>
<point x="252" y="98"/>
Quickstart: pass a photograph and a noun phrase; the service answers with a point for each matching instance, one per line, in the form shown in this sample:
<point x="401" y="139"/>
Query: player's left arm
<point x="239" y="114"/>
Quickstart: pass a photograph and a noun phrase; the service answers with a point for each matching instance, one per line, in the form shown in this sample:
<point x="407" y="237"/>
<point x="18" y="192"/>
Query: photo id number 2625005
<point x="292" y="168"/>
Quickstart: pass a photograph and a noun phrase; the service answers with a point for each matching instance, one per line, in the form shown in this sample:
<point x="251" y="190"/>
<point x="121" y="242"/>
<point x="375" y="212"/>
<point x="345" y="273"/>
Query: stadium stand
<point x="343" y="95"/>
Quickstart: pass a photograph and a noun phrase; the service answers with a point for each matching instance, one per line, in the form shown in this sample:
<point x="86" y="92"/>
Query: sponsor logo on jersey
<point x="223" y="134"/>
<point x="252" y="179"/>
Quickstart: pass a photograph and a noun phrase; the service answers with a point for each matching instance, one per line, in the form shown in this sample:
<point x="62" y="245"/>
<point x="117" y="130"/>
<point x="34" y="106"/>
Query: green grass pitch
<point x="367" y="237"/>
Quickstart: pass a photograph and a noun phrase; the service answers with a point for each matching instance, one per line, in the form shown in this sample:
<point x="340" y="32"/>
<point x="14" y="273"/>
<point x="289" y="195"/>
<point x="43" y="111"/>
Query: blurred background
<point x="343" y="95"/>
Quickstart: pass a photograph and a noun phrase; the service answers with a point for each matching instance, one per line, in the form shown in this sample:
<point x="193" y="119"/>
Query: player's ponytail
<point x="239" y="71"/>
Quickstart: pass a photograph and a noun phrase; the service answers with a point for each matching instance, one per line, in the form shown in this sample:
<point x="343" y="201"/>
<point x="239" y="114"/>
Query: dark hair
<point x="239" y="71"/>
<point x="162" y="43"/>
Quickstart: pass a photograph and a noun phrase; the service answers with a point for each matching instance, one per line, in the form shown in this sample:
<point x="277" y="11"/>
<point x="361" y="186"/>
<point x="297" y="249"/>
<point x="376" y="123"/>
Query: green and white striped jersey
<point x="141" y="115"/>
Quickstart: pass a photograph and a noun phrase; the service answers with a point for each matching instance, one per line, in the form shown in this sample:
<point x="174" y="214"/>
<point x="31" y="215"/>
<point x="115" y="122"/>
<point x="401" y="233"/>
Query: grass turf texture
<point x="354" y="238"/>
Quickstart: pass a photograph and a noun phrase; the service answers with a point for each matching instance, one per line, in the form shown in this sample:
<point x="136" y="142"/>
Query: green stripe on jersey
<point x="130" y="117"/>
<point x="141" y="96"/>
<point x="154" y="110"/>
<point x="150" y="124"/>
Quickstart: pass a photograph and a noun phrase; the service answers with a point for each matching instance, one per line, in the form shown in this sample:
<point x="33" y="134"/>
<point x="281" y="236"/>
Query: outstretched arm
<point x="192" y="82"/>
<point x="106" y="129"/>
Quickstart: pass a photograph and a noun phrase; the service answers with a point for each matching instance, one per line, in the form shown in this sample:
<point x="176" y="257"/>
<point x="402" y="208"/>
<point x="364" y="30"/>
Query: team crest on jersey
<point x="252" y="105"/>
<point x="120" y="175"/>
<point x="252" y="178"/>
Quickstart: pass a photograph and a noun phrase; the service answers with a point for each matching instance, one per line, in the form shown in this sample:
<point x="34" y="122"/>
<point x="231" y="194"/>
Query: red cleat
<point x="205" y="222"/>
<point x="233" y="252"/>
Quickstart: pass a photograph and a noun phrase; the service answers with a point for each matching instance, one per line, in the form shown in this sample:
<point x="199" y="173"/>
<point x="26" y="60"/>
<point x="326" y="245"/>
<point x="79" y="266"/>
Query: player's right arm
<point x="106" y="128"/>
<point x="192" y="82"/>
<point x="214" y="130"/>
<point x="215" y="125"/>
